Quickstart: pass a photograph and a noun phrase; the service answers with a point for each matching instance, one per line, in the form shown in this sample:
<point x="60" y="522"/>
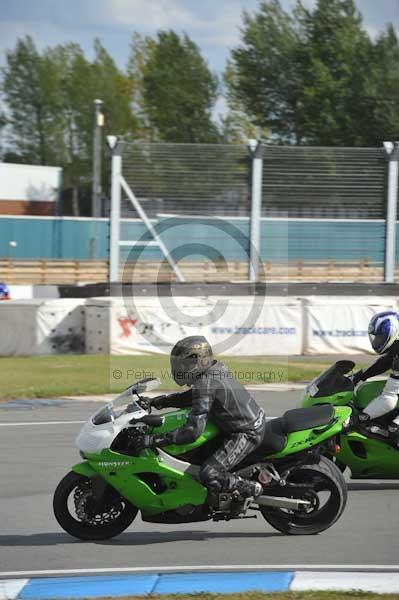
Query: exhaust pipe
<point x="292" y="503"/>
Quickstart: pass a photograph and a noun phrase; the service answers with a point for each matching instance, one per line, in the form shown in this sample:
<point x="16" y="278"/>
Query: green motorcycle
<point x="303" y="492"/>
<point x="366" y="451"/>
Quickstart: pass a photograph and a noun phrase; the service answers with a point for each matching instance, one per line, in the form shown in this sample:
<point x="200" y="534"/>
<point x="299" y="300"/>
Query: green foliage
<point x="32" y="100"/>
<point x="179" y="91"/>
<point x="309" y="76"/>
<point x="141" y="48"/>
<point x="50" y="106"/>
<point x="315" y="76"/>
<point x="263" y="72"/>
<point x="166" y="93"/>
<point x="316" y="595"/>
<point x="383" y="88"/>
<point x="336" y="54"/>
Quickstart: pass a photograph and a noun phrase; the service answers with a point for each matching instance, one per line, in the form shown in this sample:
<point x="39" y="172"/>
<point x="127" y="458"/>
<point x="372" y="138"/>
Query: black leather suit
<point x="216" y="394"/>
<point x="381" y="364"/>
<point x="386" y="402"/>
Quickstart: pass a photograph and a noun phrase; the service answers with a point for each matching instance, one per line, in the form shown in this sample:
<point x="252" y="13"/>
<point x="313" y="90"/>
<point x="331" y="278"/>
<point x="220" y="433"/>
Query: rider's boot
<point x="247" y="488"/>
<point x="234" y="495"/>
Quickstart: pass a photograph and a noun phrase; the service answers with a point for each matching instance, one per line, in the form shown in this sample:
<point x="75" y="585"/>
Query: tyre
<point x="72" y="501"/>
<point x="328" y="495"/>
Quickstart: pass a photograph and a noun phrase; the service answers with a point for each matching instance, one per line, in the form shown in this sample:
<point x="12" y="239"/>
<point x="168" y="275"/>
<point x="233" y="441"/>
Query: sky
<point x="212" y="24"/>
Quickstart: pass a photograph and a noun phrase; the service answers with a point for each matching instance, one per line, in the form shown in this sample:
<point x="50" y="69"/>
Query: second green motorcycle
<point x="366" y="451"/>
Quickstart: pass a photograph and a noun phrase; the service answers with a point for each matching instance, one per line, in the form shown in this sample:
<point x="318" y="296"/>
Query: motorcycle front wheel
<point x="73" y="508"/>
<point x="327" y="492"/>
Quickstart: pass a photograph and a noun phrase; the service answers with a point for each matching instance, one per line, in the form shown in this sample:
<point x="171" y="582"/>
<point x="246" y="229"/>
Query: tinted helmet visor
<point x="378" y="341"/>
<point x="182" y="368"/>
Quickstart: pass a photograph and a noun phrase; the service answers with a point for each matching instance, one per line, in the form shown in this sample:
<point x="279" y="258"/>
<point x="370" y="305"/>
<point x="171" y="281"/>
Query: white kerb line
<point x="25" y="424"/>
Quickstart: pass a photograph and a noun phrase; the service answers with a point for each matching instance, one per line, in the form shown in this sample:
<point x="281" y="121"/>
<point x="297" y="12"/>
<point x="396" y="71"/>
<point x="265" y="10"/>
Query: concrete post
<point x="115" y="214"/>
<point x="256" y="149"/>
<point x="392" y="150"/>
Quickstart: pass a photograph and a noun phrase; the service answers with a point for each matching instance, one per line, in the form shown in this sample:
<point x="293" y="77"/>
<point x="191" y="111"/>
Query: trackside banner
<point x="235" y="326"/>
<point x="339" y="325"/>
<point x="32" y="327"/>
<point x="260" y="326"/>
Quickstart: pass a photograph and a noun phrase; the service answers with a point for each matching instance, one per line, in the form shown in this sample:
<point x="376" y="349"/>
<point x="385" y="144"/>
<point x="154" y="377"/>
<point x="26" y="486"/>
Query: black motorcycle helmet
<point x="190" y="357"/>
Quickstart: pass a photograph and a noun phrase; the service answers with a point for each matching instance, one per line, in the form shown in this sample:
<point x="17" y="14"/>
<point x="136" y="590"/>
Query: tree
<point x="336" y="54"/>
<point x="141" y="48"/>
<point x="383" y="88"/>
<point x="49" y="113"/>
<point x="81" y="83"/>
<point x="179" y="91"/>
<point x="264" y="76"/>
<point x="32" y="102"/>
<point x="237" y="125"/>
<point x="315" y="76"/>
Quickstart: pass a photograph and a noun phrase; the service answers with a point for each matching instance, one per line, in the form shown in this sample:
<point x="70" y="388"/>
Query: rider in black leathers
<point x="216" y="394"/>
<point x="383" y="332"/>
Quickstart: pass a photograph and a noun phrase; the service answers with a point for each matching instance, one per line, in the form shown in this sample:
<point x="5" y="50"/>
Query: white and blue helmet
<point x="383" y="330"/>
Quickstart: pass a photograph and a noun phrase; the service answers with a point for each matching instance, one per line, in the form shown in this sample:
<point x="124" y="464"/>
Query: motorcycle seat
<point x="274" y="438"/>
<point x="299" y="419"/>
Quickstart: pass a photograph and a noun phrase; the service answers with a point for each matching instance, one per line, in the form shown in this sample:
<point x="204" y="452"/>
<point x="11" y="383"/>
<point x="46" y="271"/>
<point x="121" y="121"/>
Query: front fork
<point x="103" y="493"/>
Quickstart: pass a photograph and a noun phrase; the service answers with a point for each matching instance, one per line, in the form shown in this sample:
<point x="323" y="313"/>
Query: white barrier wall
<point x="29" y="327"/>
<point x="338" y="325"/>
<point x="234" y="325"/>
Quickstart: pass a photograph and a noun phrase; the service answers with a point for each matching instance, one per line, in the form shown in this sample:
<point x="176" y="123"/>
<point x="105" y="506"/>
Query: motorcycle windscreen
<point x="124" y="403"/>
<point x="332" y="381"/>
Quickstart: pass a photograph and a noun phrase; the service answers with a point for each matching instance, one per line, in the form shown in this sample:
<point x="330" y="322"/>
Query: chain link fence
<point x="196" y="179"/>
<point x="298" y="182"/>
<point x="337" y="183"/>
<point x="325" y="207"/>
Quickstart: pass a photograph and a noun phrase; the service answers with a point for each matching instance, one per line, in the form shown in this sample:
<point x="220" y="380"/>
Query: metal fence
<point x="195" y="179"/>
<point x="290" y="203"/>
<point x="298" y="182"/>
<point x="338" y="183"/>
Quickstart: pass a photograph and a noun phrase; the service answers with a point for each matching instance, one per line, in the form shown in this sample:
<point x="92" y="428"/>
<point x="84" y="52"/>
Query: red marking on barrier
<point x="127" y="325"/>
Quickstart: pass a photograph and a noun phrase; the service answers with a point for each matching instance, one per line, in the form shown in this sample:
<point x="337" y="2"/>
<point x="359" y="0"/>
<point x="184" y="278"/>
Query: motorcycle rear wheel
<point x="325" y="478"/>
<point x="94" y="527"/>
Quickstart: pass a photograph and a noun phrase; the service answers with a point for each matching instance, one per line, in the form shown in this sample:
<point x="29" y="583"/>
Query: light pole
<point x="97" y="191"/>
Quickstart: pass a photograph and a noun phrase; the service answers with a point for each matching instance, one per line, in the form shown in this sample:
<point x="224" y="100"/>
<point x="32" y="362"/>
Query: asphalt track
<point x="34" y="457"/>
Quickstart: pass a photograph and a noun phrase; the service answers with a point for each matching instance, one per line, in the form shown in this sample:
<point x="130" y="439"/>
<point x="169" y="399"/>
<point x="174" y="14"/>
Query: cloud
<point x="151" y="14"/>
<point x="372" y="31"/>
<point x="44" y="33"/>
<point x="213" y="24"/>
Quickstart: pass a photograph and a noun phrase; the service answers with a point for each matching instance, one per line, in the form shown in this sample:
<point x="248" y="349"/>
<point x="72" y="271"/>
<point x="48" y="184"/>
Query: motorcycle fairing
<point x="128" y="474"/>
<point x="366" y="457"/>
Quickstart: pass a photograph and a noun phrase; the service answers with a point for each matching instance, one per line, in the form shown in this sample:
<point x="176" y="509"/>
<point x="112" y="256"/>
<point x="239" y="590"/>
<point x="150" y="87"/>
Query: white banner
<point x="233" y="325"/>
<point x="240" y="326"/>
<point x="339" y="325"/>
<point x="31" y="327"/>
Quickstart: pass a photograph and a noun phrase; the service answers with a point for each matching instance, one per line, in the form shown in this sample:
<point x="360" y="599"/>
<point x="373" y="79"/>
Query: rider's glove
<point x="159" y="401"/>
<point x="357" y="377"/>
<point x="359" y="418"/>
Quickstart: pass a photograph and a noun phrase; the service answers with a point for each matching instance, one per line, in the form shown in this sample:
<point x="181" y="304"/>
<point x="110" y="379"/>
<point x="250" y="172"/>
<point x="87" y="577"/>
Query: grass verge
<point x="63" y="375"/>
<point x="271" y="596"/>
